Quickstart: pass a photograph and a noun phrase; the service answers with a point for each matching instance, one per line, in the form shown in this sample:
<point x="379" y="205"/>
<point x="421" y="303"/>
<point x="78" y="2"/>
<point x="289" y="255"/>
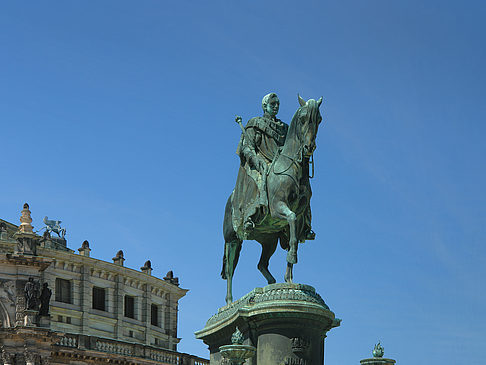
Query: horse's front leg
<point x="282" y="210"/>
<point x="289" y="273"/>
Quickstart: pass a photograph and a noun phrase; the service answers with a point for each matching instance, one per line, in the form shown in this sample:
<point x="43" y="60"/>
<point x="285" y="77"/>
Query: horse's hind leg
<point x="268" y="248"/>
<point x="232" y="254"/>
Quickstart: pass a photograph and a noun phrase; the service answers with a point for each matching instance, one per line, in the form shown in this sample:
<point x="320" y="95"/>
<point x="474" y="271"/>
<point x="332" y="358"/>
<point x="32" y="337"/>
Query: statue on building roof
<point x="54" y="226"/>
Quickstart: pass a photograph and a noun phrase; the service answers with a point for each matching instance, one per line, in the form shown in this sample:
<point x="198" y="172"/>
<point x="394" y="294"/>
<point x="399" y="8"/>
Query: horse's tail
<point x="227" y="231"/>
<point x="223" y="269"/>
<point x="232" y="244"/>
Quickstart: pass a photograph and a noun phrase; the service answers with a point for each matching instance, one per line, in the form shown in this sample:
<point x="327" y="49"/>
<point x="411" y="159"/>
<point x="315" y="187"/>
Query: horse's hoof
<point x="272" y="281"/>
<point x="292" y="257"/>
<point x="288" y="280"/>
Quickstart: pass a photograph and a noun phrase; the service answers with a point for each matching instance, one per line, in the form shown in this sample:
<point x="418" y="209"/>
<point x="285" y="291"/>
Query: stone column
<point x="118" y="302"/>
<point x="146" y="311"/>
<point x="85" y="298"/>
<point x="287" y="323"/>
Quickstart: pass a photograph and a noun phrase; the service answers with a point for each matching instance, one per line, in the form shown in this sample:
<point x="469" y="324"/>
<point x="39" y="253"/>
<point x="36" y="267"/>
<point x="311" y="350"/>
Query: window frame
<point x="154" y="321"/>
<point x="97" y="303"/>
<point x="64" y="291"/>
<point x="129" y="301"/>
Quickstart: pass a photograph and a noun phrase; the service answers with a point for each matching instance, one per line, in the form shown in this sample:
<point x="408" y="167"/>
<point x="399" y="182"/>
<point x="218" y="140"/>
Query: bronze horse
<point x="289" y="194"/>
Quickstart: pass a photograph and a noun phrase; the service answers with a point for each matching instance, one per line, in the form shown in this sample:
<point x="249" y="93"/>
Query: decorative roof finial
<point x="84" y="249"/>
<point x="171" y="279"/>
<point x="379" y="350"/>
<point x="119" y="259"/>
<point x="26" y="220"/>
<point x="147" y="267"/>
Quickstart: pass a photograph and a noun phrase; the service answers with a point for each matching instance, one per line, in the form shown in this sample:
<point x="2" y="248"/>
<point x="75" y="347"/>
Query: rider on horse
<point x="260" y="142"/>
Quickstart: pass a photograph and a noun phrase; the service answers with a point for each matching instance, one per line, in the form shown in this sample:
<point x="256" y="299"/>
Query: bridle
<point x="298" y="158"/>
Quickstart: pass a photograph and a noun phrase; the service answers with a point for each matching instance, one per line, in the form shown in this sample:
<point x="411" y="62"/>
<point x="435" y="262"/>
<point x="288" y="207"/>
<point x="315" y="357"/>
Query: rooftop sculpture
<point x="54" y="226"/>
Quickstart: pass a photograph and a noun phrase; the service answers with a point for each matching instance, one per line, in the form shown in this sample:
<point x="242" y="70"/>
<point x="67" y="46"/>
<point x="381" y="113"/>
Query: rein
<point x="294" y="160"/>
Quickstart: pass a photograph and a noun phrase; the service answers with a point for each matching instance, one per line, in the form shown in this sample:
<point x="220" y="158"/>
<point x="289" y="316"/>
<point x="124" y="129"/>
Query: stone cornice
<point x="108" y="270"/>
<point x="18" y="259"/>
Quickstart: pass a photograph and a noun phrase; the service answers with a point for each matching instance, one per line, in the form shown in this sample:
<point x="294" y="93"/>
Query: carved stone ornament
<point x="299" y="345"/>
<point x="293" y="361"/>
<point x="8" y="358"/>
<point x="7" y="291"/>
<point x="275" y="292"/>
<point x="30" y="357"/>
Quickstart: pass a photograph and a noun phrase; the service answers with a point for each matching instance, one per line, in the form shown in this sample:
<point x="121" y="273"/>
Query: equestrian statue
<point x="271" y="199"/>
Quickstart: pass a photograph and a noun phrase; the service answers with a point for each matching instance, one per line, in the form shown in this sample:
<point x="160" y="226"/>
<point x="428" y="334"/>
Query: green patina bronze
<point x="271" y="199"/>
<point x="378" y="350"/>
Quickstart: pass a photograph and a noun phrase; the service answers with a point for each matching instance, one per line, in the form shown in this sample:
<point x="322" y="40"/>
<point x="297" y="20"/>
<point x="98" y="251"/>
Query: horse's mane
<point x="313" y="109"/>
<point x="293" y="125"/>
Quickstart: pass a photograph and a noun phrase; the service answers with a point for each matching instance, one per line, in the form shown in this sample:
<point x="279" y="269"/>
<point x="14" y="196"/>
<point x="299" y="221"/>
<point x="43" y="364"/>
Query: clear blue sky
<point x="117" y="117"/>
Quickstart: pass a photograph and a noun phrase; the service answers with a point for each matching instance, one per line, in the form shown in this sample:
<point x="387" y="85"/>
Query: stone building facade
<point x="62" y="307"/>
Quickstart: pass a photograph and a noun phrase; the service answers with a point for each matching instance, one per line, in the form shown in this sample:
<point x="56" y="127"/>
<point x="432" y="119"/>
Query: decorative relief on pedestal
<point x="300" y="345"/>
<point x="293" y="361"/>
<point x="273" y="292"/>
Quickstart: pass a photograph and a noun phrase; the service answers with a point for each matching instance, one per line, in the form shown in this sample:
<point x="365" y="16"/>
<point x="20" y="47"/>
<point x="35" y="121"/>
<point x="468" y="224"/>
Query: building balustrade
<point x="129" y="349"/>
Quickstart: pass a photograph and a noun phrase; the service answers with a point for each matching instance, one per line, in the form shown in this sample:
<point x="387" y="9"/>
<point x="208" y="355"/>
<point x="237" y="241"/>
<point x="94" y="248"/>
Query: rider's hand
<point x="238" y="119"/>
<point x="262" y="165"/>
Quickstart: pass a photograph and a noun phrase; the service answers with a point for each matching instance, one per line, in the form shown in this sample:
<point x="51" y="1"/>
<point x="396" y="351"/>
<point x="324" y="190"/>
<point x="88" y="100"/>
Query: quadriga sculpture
<point x="271" y="200"/>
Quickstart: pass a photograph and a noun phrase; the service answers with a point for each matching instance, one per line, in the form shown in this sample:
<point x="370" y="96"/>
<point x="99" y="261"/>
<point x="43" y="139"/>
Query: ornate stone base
<point x="30" y="318"/>
<point x="45" y="321"/>
<point x="287" y="323"/>
<point x="377" y="361"/>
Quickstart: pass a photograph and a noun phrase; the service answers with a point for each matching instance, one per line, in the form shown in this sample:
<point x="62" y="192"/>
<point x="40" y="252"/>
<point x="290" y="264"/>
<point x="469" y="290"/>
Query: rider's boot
<point x="311" y="235"/>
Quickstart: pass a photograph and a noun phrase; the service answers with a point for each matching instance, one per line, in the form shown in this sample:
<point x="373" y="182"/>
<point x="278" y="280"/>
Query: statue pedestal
<point x="377" y="361"/>
<point x="30" y="318"/>
<point x="45" y="321"/>
<point x="287" y="323"/>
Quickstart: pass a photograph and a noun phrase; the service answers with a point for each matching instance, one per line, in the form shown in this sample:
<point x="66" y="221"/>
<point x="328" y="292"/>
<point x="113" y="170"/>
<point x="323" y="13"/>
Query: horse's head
<point x="308" y="118"/>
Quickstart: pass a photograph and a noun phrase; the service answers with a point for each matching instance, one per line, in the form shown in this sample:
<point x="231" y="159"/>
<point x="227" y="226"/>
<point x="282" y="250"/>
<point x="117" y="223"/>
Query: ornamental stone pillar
<point x="287" y="323"/>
